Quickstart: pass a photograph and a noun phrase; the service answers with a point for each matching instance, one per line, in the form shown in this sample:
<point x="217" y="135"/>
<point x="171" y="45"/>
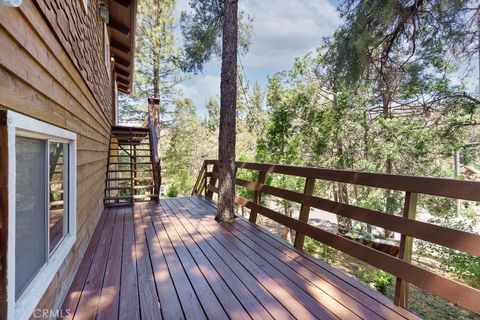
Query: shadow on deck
<point x="171" y="260"/>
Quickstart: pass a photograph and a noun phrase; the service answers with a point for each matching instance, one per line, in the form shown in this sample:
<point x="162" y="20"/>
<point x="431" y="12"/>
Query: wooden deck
<point x="172" y="260"/>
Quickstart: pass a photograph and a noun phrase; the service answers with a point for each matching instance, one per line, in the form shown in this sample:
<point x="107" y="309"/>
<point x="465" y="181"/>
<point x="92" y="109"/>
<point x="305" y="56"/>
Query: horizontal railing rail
<point x="406" y="225"/>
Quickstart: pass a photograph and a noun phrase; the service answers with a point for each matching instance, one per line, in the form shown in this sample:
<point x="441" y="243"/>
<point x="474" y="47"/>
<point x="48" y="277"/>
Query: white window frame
<point x="21" y="125"/>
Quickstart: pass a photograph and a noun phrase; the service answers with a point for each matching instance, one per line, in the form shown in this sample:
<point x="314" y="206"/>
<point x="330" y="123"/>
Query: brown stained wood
<point x="211" y="185"/>
<point x="191" y="261"/>
<point x="318" y="296"/>
<point x="123" y="63"/>
<point x="466" y="190"/>
<point x="23" y="65"/>
<point x="232" y="279"/>
<point x="211" y="305"/>
<point x="373" y="300"/>
<point x="149" y="303"/>
<point x="228" y="303"/>
<point x="119" y="26"/>
<point x="451" y="290"/>
<point x="304" y="211"/>
<point x="120" y="47"/>
<point x="447" y="237"/>
<point x="122" y="72"/>
<point x="29" y="10"/>
<point x="123" y="81"/>
<point x="257" y="195"/>
<point x="406" y="249"/>
<point x="124" y="3"/>
<point x="199" y="182"/>
<point x="286" y="291"/>
<point x="108" y="305"/>
<point x="81" y="42"/>
<point x="326" y="288"/>
<point x="76" y="288"/>
<point x="129" y="308"/>
<point x="169" y="302"/>
<point x="93" y="285"/>
<point x="188" y="299"/>
<point x="242" y="272"/>
<point x="40" y="78"/>
<point x="3" y="212"/>
<point x="288" y="301"/>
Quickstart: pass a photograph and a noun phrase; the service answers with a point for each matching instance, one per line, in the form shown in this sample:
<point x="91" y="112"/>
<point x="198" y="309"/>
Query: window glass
<point x="58" y="193"/>
<point x="30" y="217"/>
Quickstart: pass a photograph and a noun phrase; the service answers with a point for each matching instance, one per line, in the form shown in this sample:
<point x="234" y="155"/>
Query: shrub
<point x="378" y="279"/>
<point x="172" y="191"/>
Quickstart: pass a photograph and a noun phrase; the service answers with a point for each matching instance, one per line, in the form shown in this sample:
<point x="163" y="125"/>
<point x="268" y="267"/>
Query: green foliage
<point x="184" y="155"/>
<point x="377" y="279"/>
<point x="172" y="191"/>
<point x="202" y="30"/>
<point x="462" y="265"/>
<point x="320" y="250"/>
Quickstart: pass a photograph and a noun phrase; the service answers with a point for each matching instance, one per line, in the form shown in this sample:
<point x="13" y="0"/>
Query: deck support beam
<point x="406" y="249"/>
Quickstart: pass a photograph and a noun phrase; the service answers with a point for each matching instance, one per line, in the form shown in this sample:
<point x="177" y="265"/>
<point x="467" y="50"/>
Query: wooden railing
<point x="154" y="154"/>
<point x="401" y="266"/>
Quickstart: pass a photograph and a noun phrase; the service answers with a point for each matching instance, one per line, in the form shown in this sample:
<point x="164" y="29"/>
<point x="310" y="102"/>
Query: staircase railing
<point x="154" y="152"/>
<point x="399" y="265"/>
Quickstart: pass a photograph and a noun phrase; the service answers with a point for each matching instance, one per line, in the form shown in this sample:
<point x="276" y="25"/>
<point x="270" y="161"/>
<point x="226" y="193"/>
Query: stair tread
<point x="127" y="155"/>
<point x="133" y="142"/>
<point x="131" y="170"/>
<point x="130" y="163"/>
<point x="138" y="196"/>
<point x="128" y="179"/>
<point x="129" y="187"/>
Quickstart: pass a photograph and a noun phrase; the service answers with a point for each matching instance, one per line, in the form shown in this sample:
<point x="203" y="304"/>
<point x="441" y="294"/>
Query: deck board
<point x="172" y="260"/>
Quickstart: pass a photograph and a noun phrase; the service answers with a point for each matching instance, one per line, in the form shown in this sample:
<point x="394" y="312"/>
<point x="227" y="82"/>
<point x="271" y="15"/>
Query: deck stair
<point x="130" y="177"/>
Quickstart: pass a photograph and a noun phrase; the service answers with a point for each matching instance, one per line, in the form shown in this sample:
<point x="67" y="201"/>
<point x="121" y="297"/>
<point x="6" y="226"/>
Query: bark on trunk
<point x="228" y="101"/>
<point x="386" y="99"/>
<point x="345" y="224"/>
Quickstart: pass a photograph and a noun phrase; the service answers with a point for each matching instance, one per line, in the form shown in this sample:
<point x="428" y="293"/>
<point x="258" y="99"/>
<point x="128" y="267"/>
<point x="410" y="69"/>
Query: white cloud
<point x="202" y="88"/>
<point x="283" y="30"/>
<point x="286" y="29"/>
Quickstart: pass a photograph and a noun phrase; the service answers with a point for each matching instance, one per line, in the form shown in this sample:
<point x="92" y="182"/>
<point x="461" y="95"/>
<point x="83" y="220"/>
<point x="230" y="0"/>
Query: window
<point x="41" y="216"/>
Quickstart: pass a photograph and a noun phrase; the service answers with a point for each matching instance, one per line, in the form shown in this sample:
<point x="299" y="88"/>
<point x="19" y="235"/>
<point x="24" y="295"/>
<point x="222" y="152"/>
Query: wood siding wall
<point x="82" y="35"/>
<point x="52" y="69"/>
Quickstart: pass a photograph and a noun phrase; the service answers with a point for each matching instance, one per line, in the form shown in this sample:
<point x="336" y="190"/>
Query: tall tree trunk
<point x="345" y="224"/>
<point x="228" y="101"/>
<point x="386" y="100"/>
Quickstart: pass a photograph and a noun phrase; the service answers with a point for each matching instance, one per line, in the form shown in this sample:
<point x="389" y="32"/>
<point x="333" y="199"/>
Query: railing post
<point x="406" y="248"/>
<point x="257" y="196"/>
<point x="205" y="180"/>
<point x="198" y="183"/>
<point x="213" y="181"/>
<point x="304" y="212"/>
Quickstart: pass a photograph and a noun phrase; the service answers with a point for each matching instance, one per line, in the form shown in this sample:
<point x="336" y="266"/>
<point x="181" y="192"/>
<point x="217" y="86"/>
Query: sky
<point x="283" y="30"/>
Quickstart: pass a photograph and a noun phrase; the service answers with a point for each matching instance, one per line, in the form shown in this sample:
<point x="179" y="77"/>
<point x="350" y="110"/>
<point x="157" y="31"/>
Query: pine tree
<point x="213" y="27"/>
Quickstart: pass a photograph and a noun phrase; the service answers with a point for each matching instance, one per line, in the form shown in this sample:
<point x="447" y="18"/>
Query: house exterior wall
<point x="52" y="68"/>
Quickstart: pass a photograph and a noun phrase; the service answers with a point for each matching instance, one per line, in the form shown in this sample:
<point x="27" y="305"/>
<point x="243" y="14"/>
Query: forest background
<point x="390" y="91"/>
